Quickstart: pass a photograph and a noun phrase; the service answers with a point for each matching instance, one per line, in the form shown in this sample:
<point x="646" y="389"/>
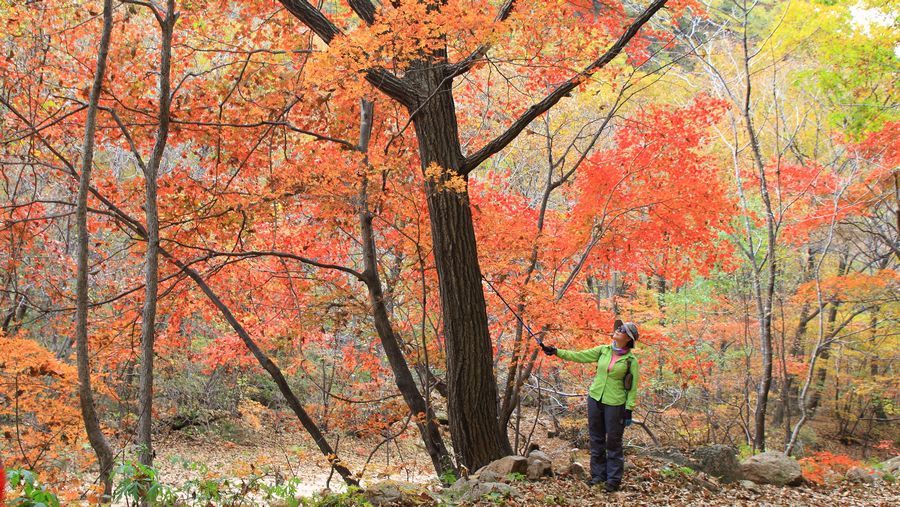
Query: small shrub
<point x="449" y="477"/>
<point x="516" y="477"/>
<point x="212" y="489"/>
<point x="136" y="481"/>
<point x="682" y="471"/>
<point x="807" y="439"/>
<point x="27" y="491"/>
<point x="353" y="497"/>
<point x="494" y="497"/>
<point x="574" y="431"/>
<point x="284" y="494"/>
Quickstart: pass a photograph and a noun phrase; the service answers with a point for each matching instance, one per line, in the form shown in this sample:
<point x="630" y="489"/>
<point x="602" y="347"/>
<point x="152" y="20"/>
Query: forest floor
<point x="229" y="450"/>
<point x="645" y="483"/>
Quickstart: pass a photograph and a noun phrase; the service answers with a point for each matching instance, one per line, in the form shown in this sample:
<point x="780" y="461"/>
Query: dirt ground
<point x="273" y="452"/>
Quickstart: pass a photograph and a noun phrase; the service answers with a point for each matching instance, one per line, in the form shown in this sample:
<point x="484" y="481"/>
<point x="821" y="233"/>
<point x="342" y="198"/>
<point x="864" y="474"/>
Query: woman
<point x="610" y="402"/>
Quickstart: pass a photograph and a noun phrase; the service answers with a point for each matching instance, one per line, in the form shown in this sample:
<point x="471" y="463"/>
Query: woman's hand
<point x="548" y="349"/>
<point x="628" y="420"/>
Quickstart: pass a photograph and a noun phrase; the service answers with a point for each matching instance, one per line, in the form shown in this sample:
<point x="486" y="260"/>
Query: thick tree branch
<point x="364" y="9"/>
<point x="312" y="18"/>
<point x="381" y="79"/>
<point x="563" y="90"/>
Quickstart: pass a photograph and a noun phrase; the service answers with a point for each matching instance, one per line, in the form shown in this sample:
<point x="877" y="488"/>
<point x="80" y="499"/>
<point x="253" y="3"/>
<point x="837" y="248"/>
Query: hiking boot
<point x="595" y="481"/>
<point x="610" y="487"/>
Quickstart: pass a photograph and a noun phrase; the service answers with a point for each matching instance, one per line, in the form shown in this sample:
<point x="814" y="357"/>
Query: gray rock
<point x="719" y="461"/>
<point x="462" y="485"/>
<point x="539" y="455"/>
<point x="772" y="468"/>
<point x="460" y="488"/>
<point x="506" y="465"/>
<point x="390" y="492"/>
<point x="864" y="475"/>
<point x="538" y="468"/>
<point x="482" y="489"/>
<point x="892" y="466"/>
<point x="539" y="465"/>
<point x="749" y="486"/>
<point x="490" y="476"/>
<point x="671" y="456"/>
<point x="576" y="471"/>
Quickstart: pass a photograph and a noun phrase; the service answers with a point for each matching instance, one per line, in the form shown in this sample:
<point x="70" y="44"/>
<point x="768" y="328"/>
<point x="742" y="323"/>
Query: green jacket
<point x="607" y="388"/>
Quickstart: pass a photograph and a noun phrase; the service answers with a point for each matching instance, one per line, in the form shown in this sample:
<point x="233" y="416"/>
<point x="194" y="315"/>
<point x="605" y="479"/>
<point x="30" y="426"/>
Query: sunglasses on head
<point x="624" y="330"/>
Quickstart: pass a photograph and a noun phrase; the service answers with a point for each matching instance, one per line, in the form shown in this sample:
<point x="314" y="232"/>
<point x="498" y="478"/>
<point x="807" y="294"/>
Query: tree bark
<point x="82" y="354"/>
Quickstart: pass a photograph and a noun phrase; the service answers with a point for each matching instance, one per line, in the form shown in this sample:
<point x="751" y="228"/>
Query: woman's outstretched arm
<point x="580" y="356"/>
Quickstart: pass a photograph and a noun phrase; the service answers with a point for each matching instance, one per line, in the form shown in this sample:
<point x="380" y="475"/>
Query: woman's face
<point x="621" y="339"/>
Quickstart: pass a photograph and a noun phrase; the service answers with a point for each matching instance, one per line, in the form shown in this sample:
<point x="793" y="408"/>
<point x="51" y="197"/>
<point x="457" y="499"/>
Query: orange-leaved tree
<point x="412" y="51"/>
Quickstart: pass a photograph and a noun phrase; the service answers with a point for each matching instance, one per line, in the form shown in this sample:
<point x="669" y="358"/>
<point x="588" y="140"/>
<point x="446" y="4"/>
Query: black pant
<point x="606" y="424"/>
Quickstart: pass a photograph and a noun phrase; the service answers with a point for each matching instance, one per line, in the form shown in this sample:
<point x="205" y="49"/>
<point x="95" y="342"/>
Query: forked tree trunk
<point x="472" y="388"/>
<point x="151" y="259"/>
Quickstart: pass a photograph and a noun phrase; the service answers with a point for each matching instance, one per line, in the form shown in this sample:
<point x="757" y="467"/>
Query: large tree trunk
<point x="82" y="355"/>
<point x="472" y="389"/>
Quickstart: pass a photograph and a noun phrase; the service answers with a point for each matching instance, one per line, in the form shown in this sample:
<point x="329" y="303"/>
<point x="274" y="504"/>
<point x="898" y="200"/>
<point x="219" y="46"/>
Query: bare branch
<point x="272" y="253"/>
<point x="466" y="65"/>
<point x="563" y="90"/>
<point x="288" y="125"/>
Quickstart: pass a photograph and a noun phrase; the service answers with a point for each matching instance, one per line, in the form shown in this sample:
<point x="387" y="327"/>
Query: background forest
<point x="219" y="219"/>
